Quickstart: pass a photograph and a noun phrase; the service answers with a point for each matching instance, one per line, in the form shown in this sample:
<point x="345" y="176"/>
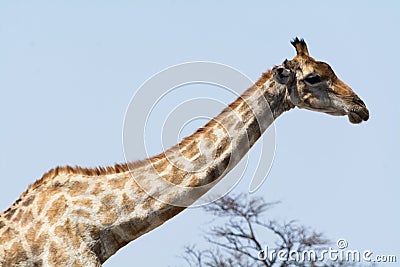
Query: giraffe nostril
<point x="359" y="102"/>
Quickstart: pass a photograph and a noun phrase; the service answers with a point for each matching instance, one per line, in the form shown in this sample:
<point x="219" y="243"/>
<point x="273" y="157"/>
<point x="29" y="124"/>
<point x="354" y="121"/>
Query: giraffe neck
<point x="188" y="170"/>
<point x="98" y="211"/>
<point x="182" y="174"/>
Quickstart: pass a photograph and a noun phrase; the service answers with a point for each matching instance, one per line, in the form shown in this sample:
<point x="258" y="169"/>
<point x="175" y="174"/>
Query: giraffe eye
<point x="313" y="78"/>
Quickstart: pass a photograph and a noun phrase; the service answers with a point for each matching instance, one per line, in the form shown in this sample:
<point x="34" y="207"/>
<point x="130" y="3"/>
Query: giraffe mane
<point x="264" y="77"/>
<point x="95" y="171"/>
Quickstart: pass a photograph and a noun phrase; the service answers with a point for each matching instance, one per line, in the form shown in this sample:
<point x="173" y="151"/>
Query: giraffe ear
<point x="281" y="74"/>
<point x="301" y="47"/>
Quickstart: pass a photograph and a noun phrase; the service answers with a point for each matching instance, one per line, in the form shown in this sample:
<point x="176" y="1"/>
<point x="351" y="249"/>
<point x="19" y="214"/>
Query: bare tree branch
<point x="237" y="241"/>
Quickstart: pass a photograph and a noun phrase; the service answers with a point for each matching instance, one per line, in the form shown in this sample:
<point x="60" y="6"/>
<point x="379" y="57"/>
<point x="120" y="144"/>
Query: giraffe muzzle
<point x="358" y="112"/>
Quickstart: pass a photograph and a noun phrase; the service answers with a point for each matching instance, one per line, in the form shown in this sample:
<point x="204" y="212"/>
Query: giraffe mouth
<point x="358" y="114"/>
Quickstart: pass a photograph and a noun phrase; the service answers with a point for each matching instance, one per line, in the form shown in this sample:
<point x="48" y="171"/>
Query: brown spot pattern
<point x="55" y="254"/>
<point x="8" y="215"/>
<point x="107" y="210"/>
<point x="190" y="150"/>
<point x="57" y="209"/>
<point x="98" y="188"/>
<point x="26" y="218"/>
<point x="88" y="203"/>
<point x="127" y="205"/>
<point x="160" y="164"/>
<point x="8" y="235"/>
<point x="148" y="203"/>
<point x="35" y="242"/>
<point x="77" y="188"/>
<point x="119" y="182"/>
<point x="41" y="202"/>
<point x="18" y="256"/>
<point x="175" y="175"/>
<point x="81" y="213"/>
<point x="28" y="201"/>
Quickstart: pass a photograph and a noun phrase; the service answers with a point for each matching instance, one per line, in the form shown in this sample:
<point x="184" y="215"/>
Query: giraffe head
<point x="313" y="85"/>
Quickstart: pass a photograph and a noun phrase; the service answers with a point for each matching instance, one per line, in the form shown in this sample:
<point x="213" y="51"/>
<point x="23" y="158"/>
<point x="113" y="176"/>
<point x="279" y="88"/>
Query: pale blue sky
<point x="69" y="68"/>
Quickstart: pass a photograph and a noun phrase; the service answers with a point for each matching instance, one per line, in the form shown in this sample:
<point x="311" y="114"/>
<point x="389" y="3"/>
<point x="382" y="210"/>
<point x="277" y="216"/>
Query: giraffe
<point x="76" y="216"/>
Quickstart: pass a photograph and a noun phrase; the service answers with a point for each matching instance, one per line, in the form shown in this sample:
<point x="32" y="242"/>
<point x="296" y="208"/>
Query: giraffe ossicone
<point x="76" y="216"/>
